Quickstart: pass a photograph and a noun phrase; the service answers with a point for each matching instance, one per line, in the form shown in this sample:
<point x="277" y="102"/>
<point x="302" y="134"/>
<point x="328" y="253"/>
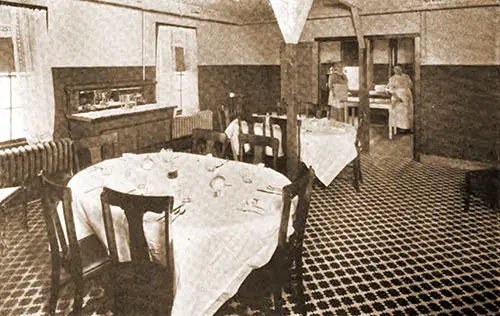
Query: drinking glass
<point x="147" y="163"/>
<point x="185" y="194"/>
<point x="209" y="163"/>
<point x="166" y="154"/>
<point x="246" y="175"/>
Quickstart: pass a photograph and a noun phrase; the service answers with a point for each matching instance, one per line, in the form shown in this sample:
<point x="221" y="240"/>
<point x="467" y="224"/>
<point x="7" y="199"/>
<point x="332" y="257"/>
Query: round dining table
<point x="219" y="238"/>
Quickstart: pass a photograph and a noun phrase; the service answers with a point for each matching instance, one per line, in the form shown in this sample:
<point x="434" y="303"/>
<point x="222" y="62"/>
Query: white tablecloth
<point x="215" y="245"/>
<point x="326" y="145"/>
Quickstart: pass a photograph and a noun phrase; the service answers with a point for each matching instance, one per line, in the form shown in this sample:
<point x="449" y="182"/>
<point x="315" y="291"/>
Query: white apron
<point x="402" y="113"/>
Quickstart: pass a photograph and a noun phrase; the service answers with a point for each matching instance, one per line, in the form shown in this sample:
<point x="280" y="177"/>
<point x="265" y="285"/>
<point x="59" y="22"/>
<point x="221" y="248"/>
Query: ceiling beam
<point x="356" y="21"/>
<point x="348" y="3"/>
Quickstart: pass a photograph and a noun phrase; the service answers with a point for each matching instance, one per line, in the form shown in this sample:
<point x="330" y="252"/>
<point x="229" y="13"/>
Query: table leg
<point x="390" y="122"/>
<point x="346" y="113"/>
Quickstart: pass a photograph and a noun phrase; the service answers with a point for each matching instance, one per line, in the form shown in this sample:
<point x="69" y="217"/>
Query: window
<point x="26" y="89"/>
<point x="177" y="68"/>
<point x="10" y="110"/>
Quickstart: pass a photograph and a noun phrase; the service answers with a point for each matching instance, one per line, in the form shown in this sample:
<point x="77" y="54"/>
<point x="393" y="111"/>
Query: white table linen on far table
<point x="216" y="245"/>
<point x="326" y="145"/>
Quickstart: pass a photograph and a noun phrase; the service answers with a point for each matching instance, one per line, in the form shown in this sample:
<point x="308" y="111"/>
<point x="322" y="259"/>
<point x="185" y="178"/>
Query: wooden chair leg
<point x="78" y="296"/>
<point x="55" y="285"/>
<point x="279" y="270"/>
<point x="299" y="291"/>
<point x="356" y="174"/>
<point x="277" y="301"/>
<point x="360" y="173"/>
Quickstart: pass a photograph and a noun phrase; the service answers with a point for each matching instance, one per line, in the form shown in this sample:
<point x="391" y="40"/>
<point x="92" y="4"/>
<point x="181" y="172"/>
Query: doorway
<point x="383" y="54"/>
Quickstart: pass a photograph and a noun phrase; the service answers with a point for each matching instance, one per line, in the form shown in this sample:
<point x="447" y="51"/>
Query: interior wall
<point x="460" y="84"/>
<point x="86" y="34"/>
<point x="461" y="37"/>
<point x="90" y="35"/>
<point x="399" y="23"/>
<point x="91" y="39"/>
<point x="460" y="57"/>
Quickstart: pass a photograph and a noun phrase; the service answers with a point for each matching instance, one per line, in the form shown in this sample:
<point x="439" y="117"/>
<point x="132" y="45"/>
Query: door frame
<point x="416" y="84"/>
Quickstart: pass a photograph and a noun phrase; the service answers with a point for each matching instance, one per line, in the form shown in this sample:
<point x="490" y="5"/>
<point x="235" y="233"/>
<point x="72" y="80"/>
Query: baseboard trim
<point x="454" y="163"/>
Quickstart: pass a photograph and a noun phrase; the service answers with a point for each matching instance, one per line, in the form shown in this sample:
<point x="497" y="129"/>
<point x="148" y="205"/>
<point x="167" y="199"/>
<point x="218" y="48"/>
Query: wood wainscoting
<point x="460" y="112"/>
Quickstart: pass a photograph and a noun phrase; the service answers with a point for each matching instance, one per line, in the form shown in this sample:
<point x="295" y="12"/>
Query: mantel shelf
<point x="109" y="85"/>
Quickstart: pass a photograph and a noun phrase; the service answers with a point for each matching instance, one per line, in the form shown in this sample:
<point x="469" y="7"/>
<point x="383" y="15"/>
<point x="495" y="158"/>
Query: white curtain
<point x="34" y="91"/>
<point x="168" y="80"/>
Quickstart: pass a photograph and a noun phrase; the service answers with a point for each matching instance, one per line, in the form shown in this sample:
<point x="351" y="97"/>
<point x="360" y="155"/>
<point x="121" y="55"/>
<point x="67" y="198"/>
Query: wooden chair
<point x="79" y="259"/>
<point x="258" y="146"/>
<point x="289" y="250"/>
<point x="96" y="145"/>
<point x="20" y="165"/>
<point x="223" y="117"/>
<point x="251" y="121"/>
<point x="205" y="141"/>
<point x="281" y="122"/>
<point x="139" y="283"/>
<point x="309" y="109"/>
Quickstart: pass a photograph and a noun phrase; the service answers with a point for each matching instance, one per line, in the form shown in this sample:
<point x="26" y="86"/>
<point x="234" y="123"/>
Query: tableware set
<point x="217" y="184"/>
<point x="176" y="212"/>
<point x="252" y="205"/>
<point x="271" y="190"/>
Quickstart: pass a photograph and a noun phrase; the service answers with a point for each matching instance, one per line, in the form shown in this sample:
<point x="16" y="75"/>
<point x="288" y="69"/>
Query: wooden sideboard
<point x="140" y="129"/>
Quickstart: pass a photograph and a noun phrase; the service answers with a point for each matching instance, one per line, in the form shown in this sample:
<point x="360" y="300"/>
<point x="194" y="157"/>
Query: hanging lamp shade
<point x="291" y="16"/>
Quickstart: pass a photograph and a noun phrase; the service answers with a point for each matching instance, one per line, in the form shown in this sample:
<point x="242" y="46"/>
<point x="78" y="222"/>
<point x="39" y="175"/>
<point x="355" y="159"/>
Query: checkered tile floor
<point x="403" y="245"/>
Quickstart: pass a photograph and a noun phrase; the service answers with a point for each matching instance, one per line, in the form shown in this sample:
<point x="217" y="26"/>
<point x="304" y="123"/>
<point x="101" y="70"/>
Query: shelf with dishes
<point x="104" y="96"/>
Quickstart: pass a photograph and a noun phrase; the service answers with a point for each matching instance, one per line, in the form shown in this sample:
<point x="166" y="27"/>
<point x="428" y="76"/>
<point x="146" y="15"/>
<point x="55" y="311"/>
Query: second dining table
<point x="219" y="238"/>
<point x="326" y="145"/>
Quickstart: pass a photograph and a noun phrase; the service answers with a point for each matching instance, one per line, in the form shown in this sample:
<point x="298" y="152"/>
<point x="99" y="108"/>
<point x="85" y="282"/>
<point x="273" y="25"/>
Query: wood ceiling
<point x="260" y="11"/>
<point x="231" y="11"/>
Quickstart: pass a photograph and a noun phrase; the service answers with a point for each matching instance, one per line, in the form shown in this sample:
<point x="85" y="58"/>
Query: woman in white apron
<point x="337" y="95"/>
<point x="402" y="100"/>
